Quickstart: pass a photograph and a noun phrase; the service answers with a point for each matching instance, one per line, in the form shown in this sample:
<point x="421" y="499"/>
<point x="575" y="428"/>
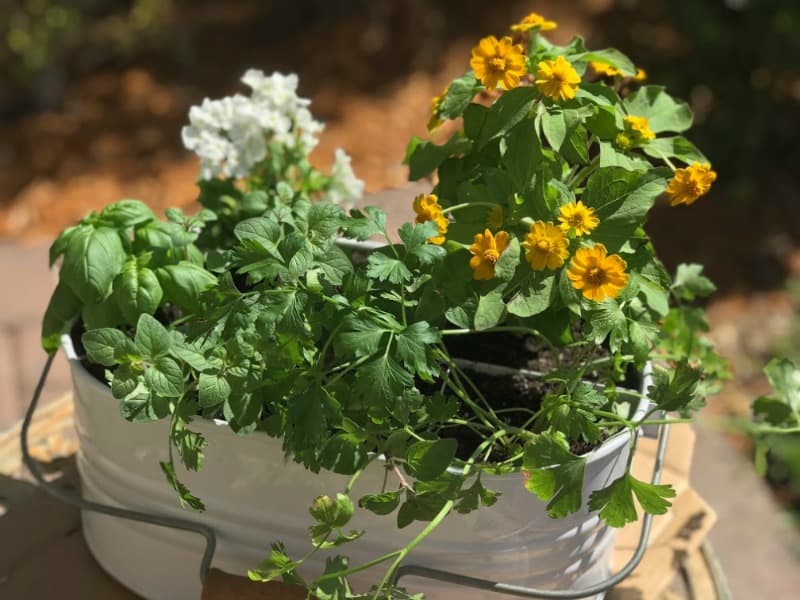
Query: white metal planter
<point x="254" y="497"/>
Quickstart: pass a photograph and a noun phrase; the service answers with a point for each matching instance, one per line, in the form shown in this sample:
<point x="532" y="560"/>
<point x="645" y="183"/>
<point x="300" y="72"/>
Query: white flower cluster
<point x="231" y="135"/>
<point x="345" y="187"/>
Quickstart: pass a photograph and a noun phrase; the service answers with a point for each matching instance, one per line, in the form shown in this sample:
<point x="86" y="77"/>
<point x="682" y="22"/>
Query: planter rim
<point x="606" y="447"/>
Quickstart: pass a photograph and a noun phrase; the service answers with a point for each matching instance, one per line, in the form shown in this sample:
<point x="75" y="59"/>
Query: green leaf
<point x="59" y="246"/>
<point x="535" y="296"/>
<point x="609" y="56"/>
<point x="183" y="284"/>
<point x="382" y="381"/>
<point x="507" y="264"/>
<point x="152" y="339"/>
<point x="124" y="381"/>
<point x="165" y="377"/>
<point x="784" y="378"/>
<point x="427" y="156"/>
<point x="615" y="502"/>
<point x="490" y="309"/>
<point x="678" y="390"/>
<point x="386" y="268"/>
<point x="429" y="459"/>
<point x="367" y="224"/>
<point x="101" y="345"/>
<point x="459" y="95"/>
<point x="262" y="230"/>
<point x="137" y="291"/>
<point x="277" y="564"/>
<point x="556" y="475"/>
<point x="92" y="259"/>
<point x="324" y="220"/>
<point x="663" y="112"/>
<point x="380" y="504"/>
<point x="674" y="147"/>
<point x="690" y="283"/>
<point x="184" y="495"/>
<point x="126" y="213"/>
<point x="621" y="199"/>
<point x="412" y="346"/>
<point x="334" y="265"/>
<point x="213" y="389"/>
<point x="507" y="111"/>
<point x="523" y="151"/>
<point x="611" y="157"/>
<point x="471" y="498"/>
<point x="608" y="320"/>
<point x="61" y="311"/>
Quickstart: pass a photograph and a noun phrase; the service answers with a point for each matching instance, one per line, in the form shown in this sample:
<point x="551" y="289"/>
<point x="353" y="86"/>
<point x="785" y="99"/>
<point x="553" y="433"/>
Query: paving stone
<point x="9" y="389"/>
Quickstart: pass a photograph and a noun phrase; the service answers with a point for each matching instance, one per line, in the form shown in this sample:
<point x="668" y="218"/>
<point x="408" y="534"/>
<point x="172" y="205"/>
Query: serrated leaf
<point x="678" y="390"/>
<point x="165" y="377"/>
<point x="212" y="389"/>
<point x="151" y="339"/>
<point x="615" y="502"/>
<point x="387" y="268"/>
<point x="364" y="225"/>
<point x="663" y="112"/>
<point x="555" y="474"/>
<point x="380" y="504"/>
<point x="101" y="345"/>
<point x="184" y="495"/>
<point x="690" y="283"/>
<point x="429" y="459"/>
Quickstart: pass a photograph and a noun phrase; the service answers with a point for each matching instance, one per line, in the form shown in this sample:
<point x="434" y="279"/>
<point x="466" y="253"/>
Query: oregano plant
<point x="255" y="311"/>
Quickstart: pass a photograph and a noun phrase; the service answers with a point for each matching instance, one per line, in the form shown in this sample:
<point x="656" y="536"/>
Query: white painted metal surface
<point x="253" y="497"/>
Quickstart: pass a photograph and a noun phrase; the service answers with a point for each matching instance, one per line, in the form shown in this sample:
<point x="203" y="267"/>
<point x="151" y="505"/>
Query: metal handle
<point x="526" y="592"/>
<point x="114" y="511"/>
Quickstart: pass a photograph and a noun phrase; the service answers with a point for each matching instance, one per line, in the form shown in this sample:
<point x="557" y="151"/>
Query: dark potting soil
<point x="505" y="393"/>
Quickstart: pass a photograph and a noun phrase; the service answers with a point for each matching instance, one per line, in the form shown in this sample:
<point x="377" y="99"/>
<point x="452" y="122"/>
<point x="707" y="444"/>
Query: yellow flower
<point x="578" y="217"/>
<point x="546" y="246"/>
<point x="623" y="142"/>
<point x="495" y="218"/>
<point x="428" y="209"/>
<point x="688" y="184"/>
<point x="498" y="61"/>
<point x="641" y="75"/>
<point x="486" y="251"/>
<point x="436" y="104"/>
<point x="557" y="79"/>
<point x="596" y="274"/>
<point x="604" y="69"/>
<point x="640" y="126"/>
<point x="534" y="20"/>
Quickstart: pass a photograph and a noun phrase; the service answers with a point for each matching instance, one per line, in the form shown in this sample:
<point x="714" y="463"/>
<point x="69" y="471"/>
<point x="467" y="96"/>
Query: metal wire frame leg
<point x="114" y="511"/>
<point x="526" y="592"/>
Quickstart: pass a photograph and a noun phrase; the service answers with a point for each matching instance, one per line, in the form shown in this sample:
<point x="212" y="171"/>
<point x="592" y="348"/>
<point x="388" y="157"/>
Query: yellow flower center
<point x="543" y="245"/>
<point x="596" y="276"/>
<point x="497" y="63"/>
<point x="490" y="255"/>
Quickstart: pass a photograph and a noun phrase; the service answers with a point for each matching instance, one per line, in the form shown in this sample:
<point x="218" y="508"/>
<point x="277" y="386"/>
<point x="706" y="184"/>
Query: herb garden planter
<point x="253" y="495"/>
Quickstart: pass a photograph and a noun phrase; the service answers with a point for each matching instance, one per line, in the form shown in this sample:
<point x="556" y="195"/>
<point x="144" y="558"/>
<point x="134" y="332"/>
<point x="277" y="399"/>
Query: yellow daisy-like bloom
<point x="604" y="69"/>
<point x="545" y="246"/>
<point x="436" y="104"/>
<point x="428" y="209"/>
<point x="688" y="184"/>
<point x="495" y="218"/>
<point x="486" y="251"/>
<point x="596" y="274"/>
<point x="578" y="217"/>
<point x="498" y="61"/>
<point x="623" y="142"/>
<point x="641" y="75"/>
<point x="641" y="126"/>
<point x="557" y="79"/>
<point x="534" y="20"/>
